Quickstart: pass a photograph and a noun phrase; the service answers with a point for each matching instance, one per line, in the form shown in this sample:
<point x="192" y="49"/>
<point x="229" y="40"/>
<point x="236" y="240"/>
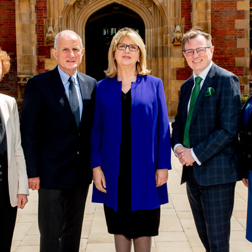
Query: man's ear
<point x="82" y="51"/>
<point x="54" y="53"/>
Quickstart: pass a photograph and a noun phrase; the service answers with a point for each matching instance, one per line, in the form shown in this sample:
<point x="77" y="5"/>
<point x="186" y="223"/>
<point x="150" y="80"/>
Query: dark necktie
<point x="193" y="100"/>
<point x="73" y="100"/>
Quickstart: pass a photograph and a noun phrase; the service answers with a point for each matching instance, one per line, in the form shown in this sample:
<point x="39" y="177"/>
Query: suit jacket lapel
<point x="59" y="90"/>
<point x="249" y="123"/>
<point x="207" y="83"/>
<point x="84" y="88"/>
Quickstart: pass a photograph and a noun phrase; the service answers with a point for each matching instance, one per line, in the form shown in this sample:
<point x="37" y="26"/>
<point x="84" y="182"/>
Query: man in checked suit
<point x="55" y="126"/>
<point x="205" y="140"/>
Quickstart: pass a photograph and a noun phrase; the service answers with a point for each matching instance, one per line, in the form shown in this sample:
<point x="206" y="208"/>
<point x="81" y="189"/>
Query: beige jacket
<point x="17" y="177"/>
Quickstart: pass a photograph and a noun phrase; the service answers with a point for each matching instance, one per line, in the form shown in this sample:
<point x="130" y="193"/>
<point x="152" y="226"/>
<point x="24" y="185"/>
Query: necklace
<point x="129" y="79"/>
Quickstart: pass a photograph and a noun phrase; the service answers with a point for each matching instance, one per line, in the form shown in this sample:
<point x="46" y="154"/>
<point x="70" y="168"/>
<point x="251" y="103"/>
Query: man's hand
<point x="245" y="182"/>
<point x="184" y="155"/>
<point x="99" y="179"/>
<point x="34" y="183"/>
<point x="22" y="200"/>
<point x="161" y="176"/>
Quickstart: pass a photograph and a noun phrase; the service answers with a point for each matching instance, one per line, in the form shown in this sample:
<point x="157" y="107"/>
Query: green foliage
<point x="243" y="99"/>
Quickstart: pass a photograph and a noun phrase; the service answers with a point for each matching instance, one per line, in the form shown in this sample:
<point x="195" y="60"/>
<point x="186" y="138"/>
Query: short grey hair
<point x="65" y="32"/>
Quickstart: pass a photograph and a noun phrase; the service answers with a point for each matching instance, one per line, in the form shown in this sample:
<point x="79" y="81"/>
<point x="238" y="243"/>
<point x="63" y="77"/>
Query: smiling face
<point x="69" y="53"/>
<point x="126" y="58"/>
<point x="198" y="63"/>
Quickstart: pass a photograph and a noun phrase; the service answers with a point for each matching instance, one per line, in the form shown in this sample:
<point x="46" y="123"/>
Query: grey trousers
<point x="60" y="218"/>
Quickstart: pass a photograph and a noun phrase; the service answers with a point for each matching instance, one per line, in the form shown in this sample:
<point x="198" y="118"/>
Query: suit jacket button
<point x="1" y="179"/>
<point x="249" y="156"/>
<point x="249" y="133"/>
<point x="78" y="152"/>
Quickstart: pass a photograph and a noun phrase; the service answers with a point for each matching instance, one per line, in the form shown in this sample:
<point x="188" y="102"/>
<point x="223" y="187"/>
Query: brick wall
<point x="43" y="52"/>
<point x="223" y="15"/>
<point x="186" y="10"/>
<point x="8" y="44"/>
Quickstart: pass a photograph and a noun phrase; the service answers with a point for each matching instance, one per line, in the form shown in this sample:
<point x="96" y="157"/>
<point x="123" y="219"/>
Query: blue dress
<point x="131" y="224"/>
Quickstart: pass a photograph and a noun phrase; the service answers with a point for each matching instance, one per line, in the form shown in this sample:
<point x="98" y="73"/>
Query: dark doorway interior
<point x="100" y="29"/>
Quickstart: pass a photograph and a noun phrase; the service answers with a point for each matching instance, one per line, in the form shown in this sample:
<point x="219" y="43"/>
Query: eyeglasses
<point x="199" y="50"/>
<point x="123" y="47"/>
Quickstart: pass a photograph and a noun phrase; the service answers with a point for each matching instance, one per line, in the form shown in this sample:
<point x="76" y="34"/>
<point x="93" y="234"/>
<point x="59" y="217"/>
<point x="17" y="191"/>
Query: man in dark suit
<point x="55" y="126"/>
<point x="205" y="140"/>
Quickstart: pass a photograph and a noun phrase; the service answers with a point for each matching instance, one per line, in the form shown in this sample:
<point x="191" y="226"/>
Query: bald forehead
<point x="68" y="36"/>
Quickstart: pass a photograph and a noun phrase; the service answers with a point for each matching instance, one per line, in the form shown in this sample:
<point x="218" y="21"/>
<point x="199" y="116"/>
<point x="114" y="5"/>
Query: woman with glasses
<point x="245" y="156"/>
<point x="130" y="145"/>
<point x="13" y="177"/>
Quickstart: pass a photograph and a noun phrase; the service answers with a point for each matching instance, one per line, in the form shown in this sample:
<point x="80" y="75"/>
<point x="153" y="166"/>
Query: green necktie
<point x="193" y="100"/>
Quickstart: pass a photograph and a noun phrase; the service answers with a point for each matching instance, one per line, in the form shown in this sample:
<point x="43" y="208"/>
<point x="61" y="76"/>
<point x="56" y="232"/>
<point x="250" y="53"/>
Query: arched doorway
<point x="100" y="28"/>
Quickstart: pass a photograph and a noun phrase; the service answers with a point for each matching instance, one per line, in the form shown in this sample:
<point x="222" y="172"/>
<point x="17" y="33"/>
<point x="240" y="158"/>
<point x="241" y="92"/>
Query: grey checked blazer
<point x="214" y="127"/>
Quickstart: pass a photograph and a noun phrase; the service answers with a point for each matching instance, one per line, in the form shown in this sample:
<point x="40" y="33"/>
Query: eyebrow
<point x="76" y="47"/>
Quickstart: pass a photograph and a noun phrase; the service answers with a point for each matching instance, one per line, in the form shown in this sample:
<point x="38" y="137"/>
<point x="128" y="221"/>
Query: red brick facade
<point x="43" y="52"/>
<point x="8" y="43"/>
<point x="223" y="15"/>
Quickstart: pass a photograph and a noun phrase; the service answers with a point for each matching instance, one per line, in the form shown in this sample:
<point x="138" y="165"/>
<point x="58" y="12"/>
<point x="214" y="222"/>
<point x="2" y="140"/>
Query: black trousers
<point x="212" y="208"/>
<point x="60" y="218"/>
<point x="7" y="218"/>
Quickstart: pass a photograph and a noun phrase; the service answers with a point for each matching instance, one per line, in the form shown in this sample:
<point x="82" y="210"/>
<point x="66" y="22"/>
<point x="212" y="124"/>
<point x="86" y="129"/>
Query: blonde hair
<point x="118" y="37"/>
<point x="5" y="60"/>
<point x="193" y="33"/>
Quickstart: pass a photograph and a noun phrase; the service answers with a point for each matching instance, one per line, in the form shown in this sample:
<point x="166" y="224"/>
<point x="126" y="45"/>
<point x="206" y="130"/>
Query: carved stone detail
<point x="22" y="82"/>
<point x="50" y="32"/>
<point x="177" y="36"/>
<point x="82" y="2"/>
<point x="146" y="3"/>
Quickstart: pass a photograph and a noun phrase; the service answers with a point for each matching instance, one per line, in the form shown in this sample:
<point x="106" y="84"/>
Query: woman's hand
<point x="161" y="176"/>
<point x="245" y="182"/>
<point x="22" y="200"/>
<point x="99" y="179"/>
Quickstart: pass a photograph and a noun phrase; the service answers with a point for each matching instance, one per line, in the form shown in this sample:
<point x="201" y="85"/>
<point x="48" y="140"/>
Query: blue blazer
<point x="245" y="145"/>
<point x="150" y="140"/>
<point x="214" y="127"/>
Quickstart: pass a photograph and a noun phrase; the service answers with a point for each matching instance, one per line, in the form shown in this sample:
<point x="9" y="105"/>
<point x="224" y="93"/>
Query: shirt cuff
<point x="176" y="145"/>
<point x="195" y="158"/>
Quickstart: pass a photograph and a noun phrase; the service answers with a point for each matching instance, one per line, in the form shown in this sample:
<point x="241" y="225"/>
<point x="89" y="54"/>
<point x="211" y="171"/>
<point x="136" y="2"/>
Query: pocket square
<point x="210" y="91"/>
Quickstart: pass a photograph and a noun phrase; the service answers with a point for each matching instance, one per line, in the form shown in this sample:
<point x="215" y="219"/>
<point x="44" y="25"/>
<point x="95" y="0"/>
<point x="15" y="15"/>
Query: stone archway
<point x="99" y="31"/>
<point x="160" y="17"/>
<point x="157" y="35"/>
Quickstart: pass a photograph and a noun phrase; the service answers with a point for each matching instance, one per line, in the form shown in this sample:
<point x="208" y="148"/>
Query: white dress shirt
<point x="203" y="76"/>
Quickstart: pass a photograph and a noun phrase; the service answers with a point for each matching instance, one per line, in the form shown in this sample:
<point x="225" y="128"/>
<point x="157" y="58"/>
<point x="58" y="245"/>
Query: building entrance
<point x="100" y="29"/>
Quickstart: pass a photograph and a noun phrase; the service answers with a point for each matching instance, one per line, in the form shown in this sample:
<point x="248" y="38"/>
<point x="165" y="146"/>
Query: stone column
<point x="201" y="14"/>
<point x="26" y="42"/>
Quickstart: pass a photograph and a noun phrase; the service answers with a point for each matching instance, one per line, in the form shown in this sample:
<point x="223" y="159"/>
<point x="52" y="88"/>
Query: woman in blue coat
<point x="130" y="144"/>
<point x="245" y="149"/>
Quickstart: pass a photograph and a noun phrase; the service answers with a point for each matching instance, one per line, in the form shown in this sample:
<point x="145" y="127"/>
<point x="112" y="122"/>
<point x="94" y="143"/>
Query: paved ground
<point x="177" y="230"/>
